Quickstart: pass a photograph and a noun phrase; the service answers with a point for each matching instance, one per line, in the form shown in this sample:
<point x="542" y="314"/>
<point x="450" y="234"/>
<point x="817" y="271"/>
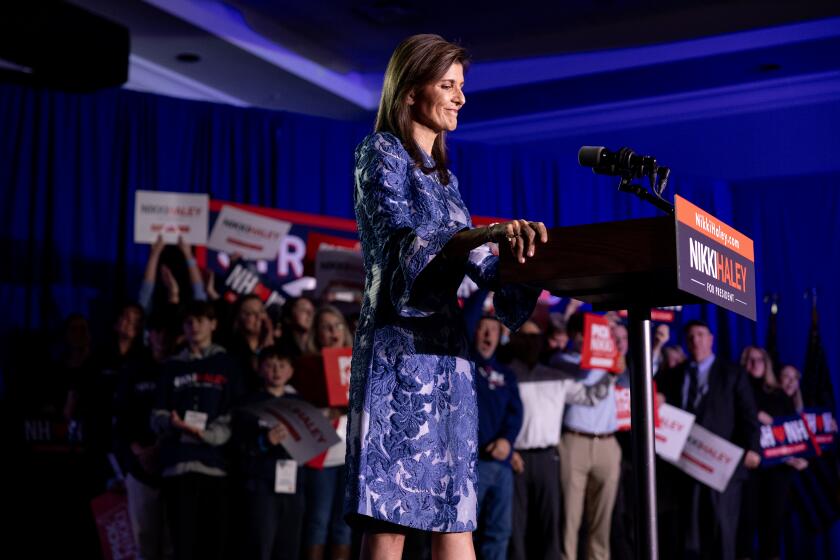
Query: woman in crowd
<point x="252" y="332"/>
<point x="325" y="484"/>
<point x="764" y="499"/>
<point x="789" y="379"/>
<point x="297" y="322"/>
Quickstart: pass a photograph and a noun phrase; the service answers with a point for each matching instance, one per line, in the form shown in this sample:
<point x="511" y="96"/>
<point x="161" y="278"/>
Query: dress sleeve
<point x="389" y="209"/>
<point x="514" y="303"/>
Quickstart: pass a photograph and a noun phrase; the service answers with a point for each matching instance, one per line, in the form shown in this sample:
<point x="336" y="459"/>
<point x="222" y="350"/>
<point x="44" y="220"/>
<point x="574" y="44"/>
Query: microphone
<point x="629" y="166"/>
<point x="623" y="163"/>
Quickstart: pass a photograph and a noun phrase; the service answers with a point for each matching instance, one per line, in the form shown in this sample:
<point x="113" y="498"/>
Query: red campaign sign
<point x="622" y="408"/>
<point x="110" y="510"/>
<point x="599" y="348"/>
<point x="324" y="380"/>
<point x="337" y="375"/>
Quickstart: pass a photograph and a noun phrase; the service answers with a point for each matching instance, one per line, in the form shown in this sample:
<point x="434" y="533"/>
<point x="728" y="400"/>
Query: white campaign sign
<point x="250" y="234"/>
<point x="708" y="458"/>
<point x="170" y="215"/>
<point x="673" y="430"/>
<point x="310" y="433"/>
<point x="338" y="268"/>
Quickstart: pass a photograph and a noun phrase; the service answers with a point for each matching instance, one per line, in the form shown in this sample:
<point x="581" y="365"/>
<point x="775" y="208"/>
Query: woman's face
<point x="790" y="380"/>
<point x="250" y="316"/>
<point x="330" y="331"/>
<point x="128" y="323"/>
<point x="436" y="105"/>
<point x="302" y="314"/>
<point x="755" y="363"/>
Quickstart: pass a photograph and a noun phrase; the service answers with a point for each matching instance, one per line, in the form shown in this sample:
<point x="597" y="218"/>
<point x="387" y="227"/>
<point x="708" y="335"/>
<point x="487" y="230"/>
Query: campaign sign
<point x="672" y="431"/>
<point x="170" y="215"/>
<point x="250" y="234"/>
<point x="599" y="348"/>
<point x="822" y="425"/>
<point x="622" y="408"/>
<point x="290" y="272"/>
<point x="715" y="262"/>
<point x="310" y="432"/>
<point x="708" y="458"/>
<point x="113" y="522"/>
<point x="338" y="270"/>
<point x="337" y="374"/>
<point x="787" y="436"/>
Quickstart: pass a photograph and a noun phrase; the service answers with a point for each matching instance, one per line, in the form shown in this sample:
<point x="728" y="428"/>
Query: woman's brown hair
<point x="417" y="61"/>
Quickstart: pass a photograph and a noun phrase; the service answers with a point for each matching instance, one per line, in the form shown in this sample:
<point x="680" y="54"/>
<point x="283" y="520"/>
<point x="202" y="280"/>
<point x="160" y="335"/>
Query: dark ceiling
<point x="360" y="35"/>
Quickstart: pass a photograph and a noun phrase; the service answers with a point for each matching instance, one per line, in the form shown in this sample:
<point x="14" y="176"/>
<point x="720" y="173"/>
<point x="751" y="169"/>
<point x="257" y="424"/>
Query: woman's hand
<point x="157" y="246"/>
<point x="521" y="235"/>
<point x="797" y="463"/>
<point x="185" y="248"/>
<point x="169" y="282"/>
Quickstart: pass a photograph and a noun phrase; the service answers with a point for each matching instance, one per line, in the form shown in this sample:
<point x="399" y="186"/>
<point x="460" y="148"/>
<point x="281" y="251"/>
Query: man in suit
<point x="696" y="521"/>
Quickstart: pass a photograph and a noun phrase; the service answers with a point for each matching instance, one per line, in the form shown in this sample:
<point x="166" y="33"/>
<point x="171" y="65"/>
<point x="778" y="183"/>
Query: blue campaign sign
<point x="786" y="437"/>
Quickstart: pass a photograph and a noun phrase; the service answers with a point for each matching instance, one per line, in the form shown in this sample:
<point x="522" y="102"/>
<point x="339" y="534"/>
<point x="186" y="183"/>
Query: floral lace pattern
<point x="412" y="432"/>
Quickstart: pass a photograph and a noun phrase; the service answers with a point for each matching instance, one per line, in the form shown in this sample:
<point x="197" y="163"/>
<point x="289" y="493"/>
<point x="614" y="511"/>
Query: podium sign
<point x="714" y="261"/>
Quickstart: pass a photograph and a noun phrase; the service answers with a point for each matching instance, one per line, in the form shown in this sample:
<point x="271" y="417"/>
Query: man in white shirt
<point x="544" y="392"/>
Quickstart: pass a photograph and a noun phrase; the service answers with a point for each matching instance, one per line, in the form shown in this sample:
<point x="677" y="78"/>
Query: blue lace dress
<point x="411" y="443"/>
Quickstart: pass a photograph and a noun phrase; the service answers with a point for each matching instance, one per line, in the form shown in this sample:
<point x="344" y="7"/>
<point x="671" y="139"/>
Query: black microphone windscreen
<point x="590" y="156"/>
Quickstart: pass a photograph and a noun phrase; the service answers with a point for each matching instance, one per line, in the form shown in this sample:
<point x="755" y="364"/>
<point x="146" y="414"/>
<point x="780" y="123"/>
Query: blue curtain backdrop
<point x="70" y="164"/>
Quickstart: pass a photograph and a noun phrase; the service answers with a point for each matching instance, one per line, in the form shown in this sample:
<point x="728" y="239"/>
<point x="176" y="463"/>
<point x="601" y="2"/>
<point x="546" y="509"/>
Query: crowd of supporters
<point x="156" y="412"/>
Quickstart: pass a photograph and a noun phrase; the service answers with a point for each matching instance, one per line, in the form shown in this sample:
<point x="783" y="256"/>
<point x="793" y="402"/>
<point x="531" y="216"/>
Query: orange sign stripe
<point x="732" y="239"/>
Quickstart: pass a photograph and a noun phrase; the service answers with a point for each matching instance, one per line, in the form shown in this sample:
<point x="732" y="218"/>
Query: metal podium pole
<point x="644" y="465"/>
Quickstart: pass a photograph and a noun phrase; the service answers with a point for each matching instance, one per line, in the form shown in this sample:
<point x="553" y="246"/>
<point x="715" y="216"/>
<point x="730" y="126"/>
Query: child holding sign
<point x="271" y="489"/>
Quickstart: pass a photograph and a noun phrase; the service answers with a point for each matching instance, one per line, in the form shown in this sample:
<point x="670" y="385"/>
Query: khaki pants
<point x="589" y="474"/>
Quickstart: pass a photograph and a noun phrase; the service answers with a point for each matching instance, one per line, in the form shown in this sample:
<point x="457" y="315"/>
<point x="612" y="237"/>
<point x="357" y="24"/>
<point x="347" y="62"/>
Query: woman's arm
<point x="521" y="235"/>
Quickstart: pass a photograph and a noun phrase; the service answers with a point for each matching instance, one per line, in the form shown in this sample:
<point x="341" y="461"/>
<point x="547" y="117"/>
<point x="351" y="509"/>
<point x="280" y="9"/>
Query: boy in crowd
<point x="192" y="419"/>
<point x="272" y="489"/>
<point x="499" y="420"/>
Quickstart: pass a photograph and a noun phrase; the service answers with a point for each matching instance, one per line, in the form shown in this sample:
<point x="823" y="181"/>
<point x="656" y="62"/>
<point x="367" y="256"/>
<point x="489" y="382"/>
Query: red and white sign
<point x="170" y="215"/>
<point x="250" y="234"/>
<point x="672" y="432"/>
<point x="599" y="348"/>
<point x="113" y="522"/>
<point x="310" y="432"/>
<point x="709" y="459"/>
<point x="337" y="374"/>
<point x="622" y="408"/>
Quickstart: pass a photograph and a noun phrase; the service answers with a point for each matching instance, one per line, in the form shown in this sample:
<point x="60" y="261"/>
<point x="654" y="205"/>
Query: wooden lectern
<point x="629" y="265"/>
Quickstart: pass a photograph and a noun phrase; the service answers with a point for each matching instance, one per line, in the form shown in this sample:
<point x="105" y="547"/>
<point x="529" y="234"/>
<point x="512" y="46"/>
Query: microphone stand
<point x="644" y="194"/>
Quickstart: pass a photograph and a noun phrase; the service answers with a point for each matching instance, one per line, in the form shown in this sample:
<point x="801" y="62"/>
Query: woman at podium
<point x="411" y="445"/>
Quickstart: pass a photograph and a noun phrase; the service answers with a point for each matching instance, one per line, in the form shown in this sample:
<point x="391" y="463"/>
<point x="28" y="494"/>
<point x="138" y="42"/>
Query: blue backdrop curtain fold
<point x="71" y="163"/>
